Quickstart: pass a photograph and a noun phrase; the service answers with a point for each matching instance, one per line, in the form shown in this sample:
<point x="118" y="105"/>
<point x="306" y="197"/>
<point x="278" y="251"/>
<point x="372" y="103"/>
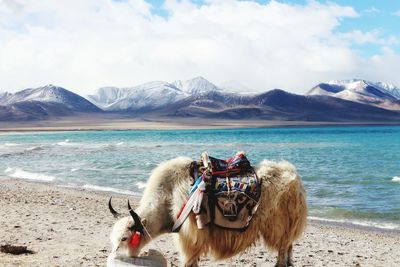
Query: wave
<point x="11" y="144"/>
<point x="64" y="143"/>
<point x="20" y="173"/>
<point x="21" y="152"/>
<point x="88" y="145"/>
<point x="363" y="223"/>
<point x="396" y="179"/>
<point x="141" y="185"/>
<point x="109" y="189"/>
<point x="34" y="148"/>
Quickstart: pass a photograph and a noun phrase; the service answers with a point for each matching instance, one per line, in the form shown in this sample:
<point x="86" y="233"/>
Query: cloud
<point x="370" y="37"/>
<point x="380" y="67"/>
<point x="397" y="13"/>
<point x="83" y="45"/>
<point x="372" y="10"/>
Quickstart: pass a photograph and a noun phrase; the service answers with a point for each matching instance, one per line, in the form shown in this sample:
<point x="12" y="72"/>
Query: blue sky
<point x="378" y="16"/>
<point x="373" y="16"/>
<point x="239" y="45"/>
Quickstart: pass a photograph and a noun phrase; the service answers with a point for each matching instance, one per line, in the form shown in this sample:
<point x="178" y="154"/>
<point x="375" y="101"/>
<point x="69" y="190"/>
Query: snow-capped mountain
<point x="371" y="93"/>
<point x="349" y="101"/>
<point x="278" y="105"/>
<point x="150" y="96"/>
<point x="43" y="102"/>
<point x="106" y="96"/>
<point x="49" y="94"/>
<point x="4" y="96"/>
<point x="197" y="85"/>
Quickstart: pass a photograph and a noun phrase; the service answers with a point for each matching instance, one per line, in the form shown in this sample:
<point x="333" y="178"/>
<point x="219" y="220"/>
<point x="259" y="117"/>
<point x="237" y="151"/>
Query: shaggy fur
<point x="279" y="220"/>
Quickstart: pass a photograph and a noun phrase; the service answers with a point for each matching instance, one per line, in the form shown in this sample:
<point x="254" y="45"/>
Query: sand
<point x="70" y="227"/>
<point x="118" y="122"/>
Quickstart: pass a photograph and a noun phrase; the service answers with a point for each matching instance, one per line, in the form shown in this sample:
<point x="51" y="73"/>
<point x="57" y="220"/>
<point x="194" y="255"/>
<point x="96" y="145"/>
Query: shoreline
<point x="108" y="191"/>
<point x="101" y="124"/>
<point x="70" y="226"/>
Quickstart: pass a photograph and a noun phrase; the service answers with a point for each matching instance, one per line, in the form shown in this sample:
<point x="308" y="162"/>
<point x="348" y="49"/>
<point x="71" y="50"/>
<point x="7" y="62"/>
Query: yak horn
<point x="112" y="210"/>
<point x="135" y="216"/>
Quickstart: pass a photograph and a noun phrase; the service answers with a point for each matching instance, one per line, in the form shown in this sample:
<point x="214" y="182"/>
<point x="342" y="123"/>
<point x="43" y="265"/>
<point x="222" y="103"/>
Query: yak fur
<point x="279" y="220"/>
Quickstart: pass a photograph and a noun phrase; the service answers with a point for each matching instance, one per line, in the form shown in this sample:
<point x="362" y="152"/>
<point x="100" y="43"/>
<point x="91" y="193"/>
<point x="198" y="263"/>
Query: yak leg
<point x="192" y="264"/>
<point x="190" y="252"/>
<point x="289" y="260"/>
<point x="285" y="257"/>
<point x="282" y="258"/>
<point x="191" y="258"/>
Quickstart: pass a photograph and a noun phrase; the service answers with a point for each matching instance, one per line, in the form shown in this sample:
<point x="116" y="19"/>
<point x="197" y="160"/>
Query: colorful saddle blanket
<point x="226" y="193"/>
<point x="232" y="167"/>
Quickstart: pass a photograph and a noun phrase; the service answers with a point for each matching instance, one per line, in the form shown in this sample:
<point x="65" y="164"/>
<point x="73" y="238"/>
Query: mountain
<point x="278" y="105"/>
<point x="145" y="97"/>
<point x="377" y="94"/>
<point x="106" y="96"/>
<point x="4" y="95"/>
<point x="198" y="97"/>
<point x="150" y="96"/>
<point x="42" y="103"/>
<point x="197" y="85"/>
<point x="339" y="101"/>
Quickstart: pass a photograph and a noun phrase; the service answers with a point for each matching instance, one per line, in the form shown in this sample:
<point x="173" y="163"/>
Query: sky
<point x="238" y="45"/>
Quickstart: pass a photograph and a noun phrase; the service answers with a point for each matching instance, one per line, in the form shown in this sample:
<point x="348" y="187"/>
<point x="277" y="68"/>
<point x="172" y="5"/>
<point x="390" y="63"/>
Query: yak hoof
<point x="288" y="264"/>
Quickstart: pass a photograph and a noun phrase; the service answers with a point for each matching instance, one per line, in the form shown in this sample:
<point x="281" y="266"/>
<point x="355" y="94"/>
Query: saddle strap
<point x="193" y="203"/>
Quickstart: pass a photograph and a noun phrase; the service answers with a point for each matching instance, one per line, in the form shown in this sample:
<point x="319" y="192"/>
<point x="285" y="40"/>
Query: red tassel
<point x="135" y="240"/>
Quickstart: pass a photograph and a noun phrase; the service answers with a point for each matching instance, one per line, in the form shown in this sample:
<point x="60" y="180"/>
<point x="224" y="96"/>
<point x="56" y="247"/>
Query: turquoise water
<point x="351" y="174"/>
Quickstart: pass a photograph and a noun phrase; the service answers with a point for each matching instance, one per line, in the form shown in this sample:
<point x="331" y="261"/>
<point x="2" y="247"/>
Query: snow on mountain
<point x="196" y="85"/>
<point x="391" y="88"/>
<point x="380" y="89"/>
<point x="49" y="94"/>
<point x="150" y="95"/>
<point x="4" y="96"/>
<point x="106" y="96"/>
<point x="353" y="100"/>
<point x="372" y="93"/>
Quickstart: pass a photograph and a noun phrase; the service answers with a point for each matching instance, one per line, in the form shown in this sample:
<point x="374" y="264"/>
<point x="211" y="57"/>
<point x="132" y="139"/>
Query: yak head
<point x="128" y="234"/>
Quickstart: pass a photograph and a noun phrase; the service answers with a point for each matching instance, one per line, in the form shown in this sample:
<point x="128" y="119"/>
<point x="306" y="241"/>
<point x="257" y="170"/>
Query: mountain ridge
<point x="344" y="100"/>
<point x="377" y="94"/>
<point x="42" y="103"/>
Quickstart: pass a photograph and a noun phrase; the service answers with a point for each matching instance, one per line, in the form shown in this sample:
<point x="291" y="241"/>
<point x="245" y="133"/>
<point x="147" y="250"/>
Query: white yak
<point x="279" y="220"/>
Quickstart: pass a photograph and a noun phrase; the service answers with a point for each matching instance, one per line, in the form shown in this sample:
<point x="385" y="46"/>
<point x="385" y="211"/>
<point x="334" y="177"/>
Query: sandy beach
<point x="70" y="227"/>
<point x="118" y="122"/>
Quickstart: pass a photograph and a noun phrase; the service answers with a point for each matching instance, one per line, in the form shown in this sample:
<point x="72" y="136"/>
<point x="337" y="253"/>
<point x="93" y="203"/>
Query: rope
<point x="159" y="249"/>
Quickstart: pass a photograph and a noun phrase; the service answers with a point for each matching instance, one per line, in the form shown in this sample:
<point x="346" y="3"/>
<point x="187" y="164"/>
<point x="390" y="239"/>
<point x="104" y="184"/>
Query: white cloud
<point x="372" y="10"/>
<point x="383" y="67"/>
<point x="397" y="13"/>
<point x="82" y="45"/>
<point x="371" y="37"/>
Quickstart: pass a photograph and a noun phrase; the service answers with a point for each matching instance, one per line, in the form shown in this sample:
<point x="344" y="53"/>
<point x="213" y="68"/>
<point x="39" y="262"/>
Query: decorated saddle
<point x="225" y="193"/>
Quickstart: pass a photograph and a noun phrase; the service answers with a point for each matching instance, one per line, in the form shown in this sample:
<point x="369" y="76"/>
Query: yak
<point x="279" y="221"/>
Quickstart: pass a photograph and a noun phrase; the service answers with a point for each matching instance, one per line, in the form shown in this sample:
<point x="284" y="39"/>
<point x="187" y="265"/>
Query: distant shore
<point x="113" y="122"/>
<point x="70" y="227"/>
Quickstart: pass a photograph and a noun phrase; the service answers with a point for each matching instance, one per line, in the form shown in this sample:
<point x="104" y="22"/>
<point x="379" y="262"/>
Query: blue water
<point x="351" y="174"/>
